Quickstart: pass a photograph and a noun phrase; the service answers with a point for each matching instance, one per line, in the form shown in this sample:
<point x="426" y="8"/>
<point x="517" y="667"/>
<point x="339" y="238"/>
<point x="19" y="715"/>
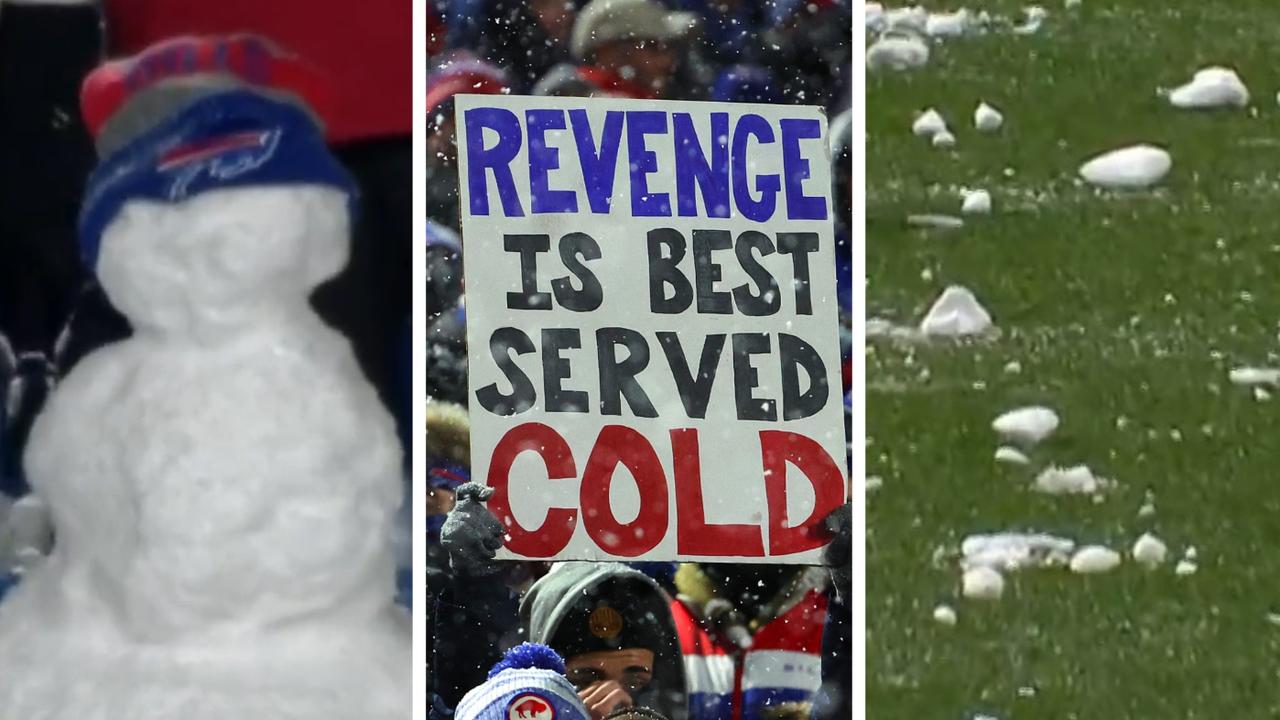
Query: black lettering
<point x="746" y="379"/>
<point x="664" y="271"/>
<point x="798" y="246"/>
<point x="706" y="272"/>
<point x="695" y="391"/>
<point x="618" y="377"/>
<point x="767" y="299"/>
<point x="572" y="247"/>
<point x="556" y="369"/>
<point x="797" y="353"/>
<point x="523" y="395"/>
<point x="528" y="246"/>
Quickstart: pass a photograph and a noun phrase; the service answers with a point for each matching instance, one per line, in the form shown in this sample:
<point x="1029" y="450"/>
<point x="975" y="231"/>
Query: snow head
<point x="224" y="259"/>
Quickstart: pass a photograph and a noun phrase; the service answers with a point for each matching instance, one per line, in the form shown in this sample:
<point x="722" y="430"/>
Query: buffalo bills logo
<point x="224" y="157"/>
<point x="531" y="706"/>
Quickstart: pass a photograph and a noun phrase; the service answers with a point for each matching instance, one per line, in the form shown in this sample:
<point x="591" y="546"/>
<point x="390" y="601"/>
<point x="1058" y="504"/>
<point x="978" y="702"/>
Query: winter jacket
<point x="559" y="594"/>
<point x="367" y="48"/>
<point x="472" y="620"/>
<point x="783" y="664"/>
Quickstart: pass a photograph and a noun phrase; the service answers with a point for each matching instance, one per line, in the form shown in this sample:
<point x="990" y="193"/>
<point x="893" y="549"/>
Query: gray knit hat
<point x="604" y="21"/>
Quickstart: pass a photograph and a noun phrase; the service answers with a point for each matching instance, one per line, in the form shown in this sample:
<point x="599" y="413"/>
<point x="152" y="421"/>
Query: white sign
<point x="651" y="315"/>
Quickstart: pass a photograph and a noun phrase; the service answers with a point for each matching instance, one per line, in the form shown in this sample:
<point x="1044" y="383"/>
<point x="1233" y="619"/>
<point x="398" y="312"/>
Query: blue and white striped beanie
<point x="527" y="684"/>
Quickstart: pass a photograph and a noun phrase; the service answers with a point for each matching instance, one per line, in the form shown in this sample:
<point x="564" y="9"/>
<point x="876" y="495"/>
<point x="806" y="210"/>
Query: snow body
<point x="223" y="486"/>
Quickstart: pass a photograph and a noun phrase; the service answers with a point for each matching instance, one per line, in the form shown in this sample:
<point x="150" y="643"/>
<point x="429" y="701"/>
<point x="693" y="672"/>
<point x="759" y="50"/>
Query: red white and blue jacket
<point x="783" y="665"/>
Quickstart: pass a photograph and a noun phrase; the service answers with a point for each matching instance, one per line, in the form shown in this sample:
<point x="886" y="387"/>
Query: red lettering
<point x="618" y="444"/>
<point x="694" y="535"/>
<point x="780" y="448"/>
<point x="556" y="530"/>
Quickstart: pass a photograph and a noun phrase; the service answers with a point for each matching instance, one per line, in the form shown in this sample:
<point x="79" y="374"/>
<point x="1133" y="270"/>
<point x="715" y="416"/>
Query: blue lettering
<point x="542" y="160"/>
<point x="497" y="158"/>
<point x="692" y="168"/>
<point x="644" y="161"/>
<point x="796" y="169"/>
<point x="768" y="185"/>
<point x="598" y="168"/>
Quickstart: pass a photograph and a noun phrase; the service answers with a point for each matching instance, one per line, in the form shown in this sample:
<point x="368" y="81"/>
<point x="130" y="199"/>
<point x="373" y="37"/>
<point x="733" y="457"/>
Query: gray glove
<point x="471" y="534"/>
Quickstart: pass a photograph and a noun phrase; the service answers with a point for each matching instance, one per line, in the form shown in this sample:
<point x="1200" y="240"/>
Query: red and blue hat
<point x="193" y="115"/>
<point x="121" y="98"/>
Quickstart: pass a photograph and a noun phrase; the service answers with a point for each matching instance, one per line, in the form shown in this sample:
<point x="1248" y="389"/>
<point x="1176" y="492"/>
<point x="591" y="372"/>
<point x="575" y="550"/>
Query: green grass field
<point x="1130" y="307"/>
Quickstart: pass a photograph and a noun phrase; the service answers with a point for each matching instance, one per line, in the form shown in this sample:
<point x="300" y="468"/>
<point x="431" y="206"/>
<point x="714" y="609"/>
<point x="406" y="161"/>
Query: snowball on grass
<point x="1149" y="551"/>
<point x="1017" y="550"/>
<point x="936" y="221"/>
<point x="1026" y="425"/>
<point x="982" y="583"/>
<point x="1253" y="376"/>
<point x="976" y="202"/>
<point x="956" y="313"/>
<point x="1210" y="88"/>
<point x="1074" y="480"/>
<point x="898" y="53"/>
<point x="945" y="615"/>
<point x="987" y="119"/>
<point x="913" y="18"/>
<point x="944" y="24"/>
<point x="1011" y="456"/>
<point x="1132" y="168"/>
<point x="1094" y="559"/>
<point x="928" y="124"/>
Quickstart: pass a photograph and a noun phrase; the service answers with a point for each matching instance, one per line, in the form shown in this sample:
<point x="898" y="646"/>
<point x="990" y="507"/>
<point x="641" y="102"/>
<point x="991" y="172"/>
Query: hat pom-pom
<point x="526" y="656"/>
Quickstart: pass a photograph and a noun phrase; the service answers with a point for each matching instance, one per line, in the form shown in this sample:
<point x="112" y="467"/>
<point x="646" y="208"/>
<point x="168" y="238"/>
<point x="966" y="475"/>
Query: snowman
<point x="223" y="484"/>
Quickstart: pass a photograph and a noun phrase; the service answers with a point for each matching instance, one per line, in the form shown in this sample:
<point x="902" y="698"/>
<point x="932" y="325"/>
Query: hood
<point x="568" y="589"/>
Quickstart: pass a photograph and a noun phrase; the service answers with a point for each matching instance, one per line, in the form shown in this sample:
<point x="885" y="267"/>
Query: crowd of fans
<point x="641" y="640"/>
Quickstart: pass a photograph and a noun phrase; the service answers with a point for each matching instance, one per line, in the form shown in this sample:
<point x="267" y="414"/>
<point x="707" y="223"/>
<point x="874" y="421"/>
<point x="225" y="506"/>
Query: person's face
<point x="648" y="63"/>
<point x="439" y="501"/>
<point x="442" y="148"/>
<point x="556" y="18"/>
<point x="631" y="668"/>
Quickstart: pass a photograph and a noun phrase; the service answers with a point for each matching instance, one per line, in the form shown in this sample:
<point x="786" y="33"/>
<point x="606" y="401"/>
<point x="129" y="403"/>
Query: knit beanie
<point x="611" y="616"/>
<point x="123" y="98"/>
<point x="193" y="115"/>
<point x="527" y="684"/>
